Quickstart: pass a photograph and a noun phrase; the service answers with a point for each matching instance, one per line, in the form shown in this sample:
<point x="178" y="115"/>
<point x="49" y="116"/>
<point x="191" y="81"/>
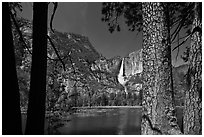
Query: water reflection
<point x="122" y="121"/>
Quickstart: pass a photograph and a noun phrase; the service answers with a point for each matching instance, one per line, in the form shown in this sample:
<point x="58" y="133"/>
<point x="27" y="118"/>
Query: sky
<point x="85" y="18"/>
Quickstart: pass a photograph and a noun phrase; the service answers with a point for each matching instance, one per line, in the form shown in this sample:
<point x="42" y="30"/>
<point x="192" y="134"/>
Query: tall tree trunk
<point x="193" y="97"/>
<point x="11" y="113"/>
<point x="158" y="107"/>
<point x="37" y="95"/>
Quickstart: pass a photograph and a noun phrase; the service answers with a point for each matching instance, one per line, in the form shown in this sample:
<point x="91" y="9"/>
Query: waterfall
<point x="121" y="76"/>
<point x="122" y="68"/>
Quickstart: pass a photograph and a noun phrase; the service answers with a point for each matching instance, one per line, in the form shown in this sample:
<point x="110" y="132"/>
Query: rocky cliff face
<point x="132" y="71"/>
<point x="133" y="63"/>
<point x="131" y="67"/>
<point x="107" y="65"/>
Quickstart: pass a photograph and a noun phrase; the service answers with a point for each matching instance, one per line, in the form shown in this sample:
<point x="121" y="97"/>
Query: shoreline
<point x="110" y="107"/>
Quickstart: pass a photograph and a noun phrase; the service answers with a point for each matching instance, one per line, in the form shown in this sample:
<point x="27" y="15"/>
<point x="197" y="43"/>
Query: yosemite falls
<point x="130" y="67"/>
<point x="122" y="78"/>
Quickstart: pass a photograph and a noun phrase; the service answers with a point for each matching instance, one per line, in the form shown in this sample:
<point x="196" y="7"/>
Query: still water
<point x="104" y="122"/>
<point x="117" y="121"/>
<point x="108" y="121"/>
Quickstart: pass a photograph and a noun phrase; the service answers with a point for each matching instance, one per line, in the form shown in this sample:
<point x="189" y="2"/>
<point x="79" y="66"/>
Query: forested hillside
<point x="82" y="76"/>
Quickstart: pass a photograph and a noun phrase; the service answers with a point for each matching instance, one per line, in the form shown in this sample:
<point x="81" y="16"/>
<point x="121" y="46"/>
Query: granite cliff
<point x="131" y="66"/>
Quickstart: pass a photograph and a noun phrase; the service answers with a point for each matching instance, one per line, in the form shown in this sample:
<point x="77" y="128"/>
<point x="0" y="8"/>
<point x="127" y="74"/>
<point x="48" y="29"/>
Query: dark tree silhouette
<point x="179" y="17"/>
<point x="11" y="114"/>
<point x="37" y="95"/>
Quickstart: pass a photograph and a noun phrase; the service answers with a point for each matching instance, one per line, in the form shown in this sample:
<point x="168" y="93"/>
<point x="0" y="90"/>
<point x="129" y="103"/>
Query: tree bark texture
<point x="193" y="96"/>
<point x="37" y="95"/>
<point x="158" y="105"/>
<point x="11" y="113"/>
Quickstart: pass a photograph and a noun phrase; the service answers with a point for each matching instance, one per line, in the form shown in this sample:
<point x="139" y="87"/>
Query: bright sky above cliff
<point x="85" y="19"/>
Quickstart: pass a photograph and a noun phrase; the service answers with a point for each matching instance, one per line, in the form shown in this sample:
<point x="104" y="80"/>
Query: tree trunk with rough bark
<point x="11" y="113"/>
<point x="158" y="116"/>
<point x="37" y="94"/>
<point x="193" y="97"/>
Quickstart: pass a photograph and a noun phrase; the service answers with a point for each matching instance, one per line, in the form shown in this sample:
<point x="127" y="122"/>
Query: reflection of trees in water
<point x="128" y="119"/>
<point x="137" y="122"/>
<point x="123" y="120"/>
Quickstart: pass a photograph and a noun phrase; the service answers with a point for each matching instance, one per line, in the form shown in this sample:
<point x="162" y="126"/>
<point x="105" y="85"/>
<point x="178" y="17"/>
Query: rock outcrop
<point x="133" y="63"/>
<point x="132" y="70"/>
<point x="125" y="71"/>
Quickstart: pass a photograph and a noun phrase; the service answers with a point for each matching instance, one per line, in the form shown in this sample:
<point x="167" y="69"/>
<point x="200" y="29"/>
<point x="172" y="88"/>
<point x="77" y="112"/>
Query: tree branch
<point x="19" y="32"/>
<point x="178" y="48"/>
<point x="56" y="52"/>
<point x="181" y="23"/>
<point x="179" y="27"/>
<point x="53" y="14"/>
<point x="181" y="42"/>
<point x="175" y="22"/>
<point x="180" y="39"/>
<point x="196" y="29"/>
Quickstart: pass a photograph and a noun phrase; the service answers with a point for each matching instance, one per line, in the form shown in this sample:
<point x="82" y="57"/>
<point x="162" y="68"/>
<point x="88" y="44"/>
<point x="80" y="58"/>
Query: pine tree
<point x="193" y="97"/>
<point x="157" y="106"/>
<point x="11" y="114"/>
<point x="37" y="95"/>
